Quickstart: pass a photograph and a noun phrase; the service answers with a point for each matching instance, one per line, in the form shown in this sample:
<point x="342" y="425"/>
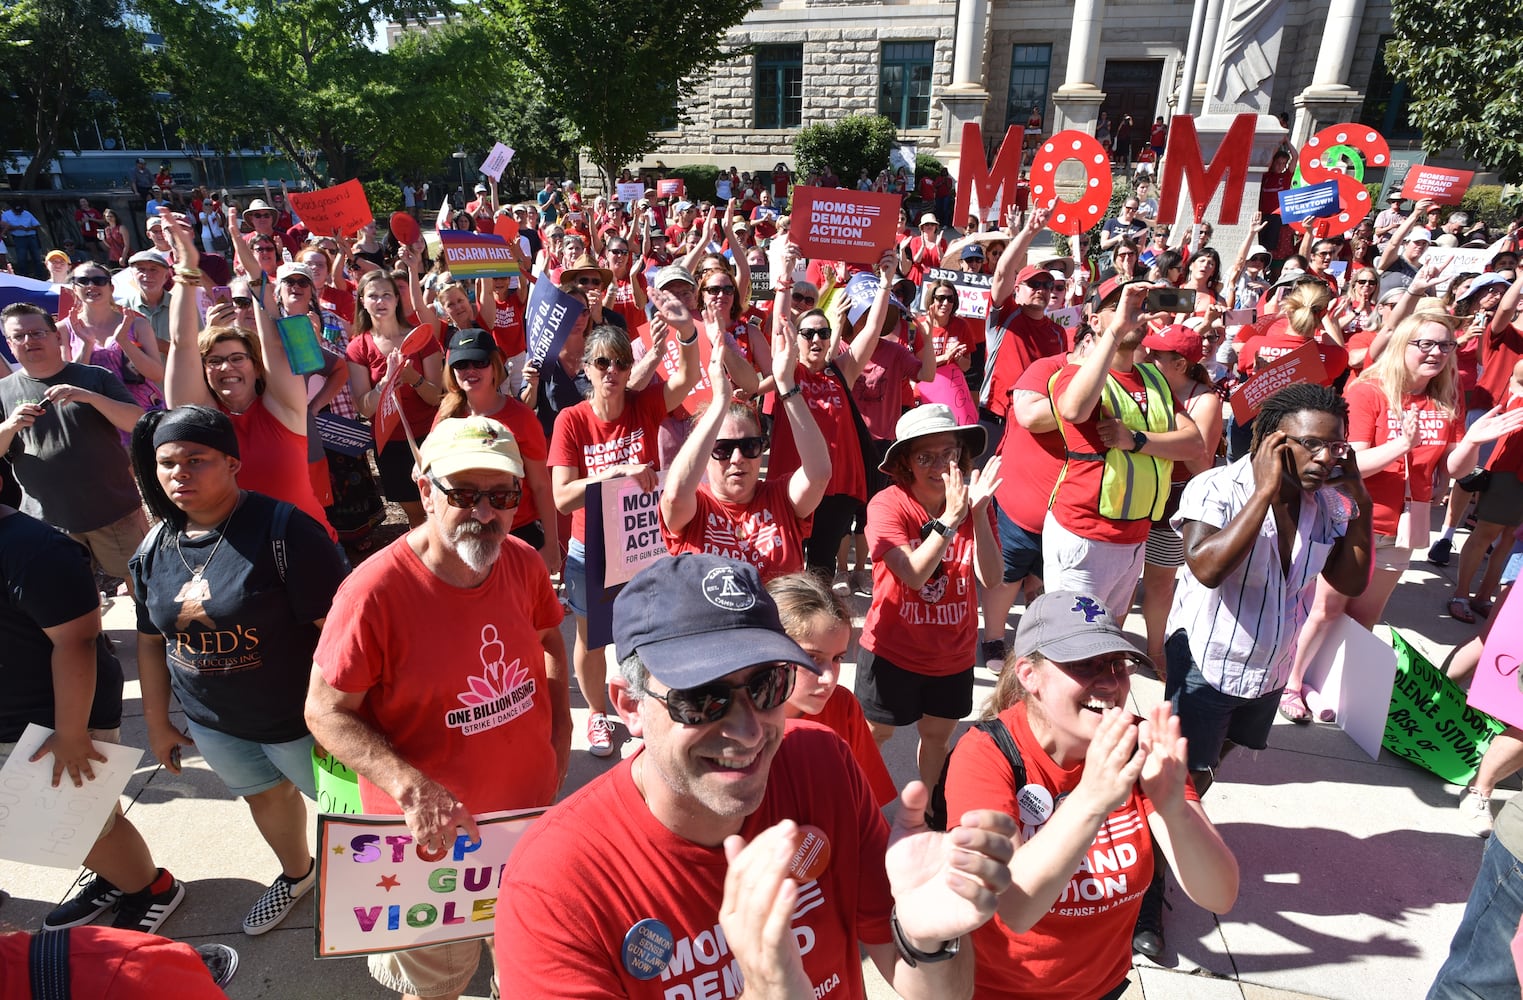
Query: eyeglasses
<point x="1092" y="669"/>
<point x="262" y="247"/>
<point x="243" y="302"/>
<point x="717" y="290"/>
<point x="750" y="447"/>
<point x="814" y="332"/>
<point x="943" y="298"/>
<point x="298" y="282"/>
<point x="1339" y="450"/>
<point x="931" y="459"/>
<point x="603" y="364"/>
<point x="25" y="335"/>
<point x="801" y="297"/>
<point x="470" y="363"/>
<point x="98" y="280"/>
<point x="504" y="499"/>
<point x="707" y="703"/>
<point x="1429" y="346"/>
<point x="219" y="360"/>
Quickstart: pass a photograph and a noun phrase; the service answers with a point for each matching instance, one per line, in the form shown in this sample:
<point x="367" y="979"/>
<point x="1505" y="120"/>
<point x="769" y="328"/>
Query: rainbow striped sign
<point x="476" y="255"/>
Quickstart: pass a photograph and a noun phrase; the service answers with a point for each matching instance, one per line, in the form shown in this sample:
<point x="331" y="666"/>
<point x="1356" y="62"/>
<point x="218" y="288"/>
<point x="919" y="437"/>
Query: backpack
<point x="936" y="811"/>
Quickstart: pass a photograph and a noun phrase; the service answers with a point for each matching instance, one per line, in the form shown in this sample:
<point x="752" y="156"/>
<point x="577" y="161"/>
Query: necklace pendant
<point x="195" y="589"/>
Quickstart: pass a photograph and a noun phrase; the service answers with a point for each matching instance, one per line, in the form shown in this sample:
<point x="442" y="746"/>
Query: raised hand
<point x="785" y="355"/>
<point x="1113" y="763"/>
<point x="757" y="913"/>
<point x="672" y="312"/>
<point x="1167" y="764"/>
<point x="958" y="501"/>
<point x="982" y="484"/>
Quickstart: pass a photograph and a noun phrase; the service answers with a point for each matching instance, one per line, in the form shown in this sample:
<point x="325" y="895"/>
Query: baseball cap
<point x="1177" y="339"/>
<point x="1066" y="627"/>
<point x="1031" y="271"/>
<point x="682" y="206"/>
<point x="1110" y="289"/>
<point x="293" y="270"/>
<point x="59" y="254"/>
<point x="154" y="221"/>
<point x="471" y="344"/>
<point x="1418" y="234"/>
<point x="974" y="252"/>
<point x="148" y="257"/>
<point x="695" y="617"/>
<point x="672" y="274"/>
<point x="481" y="189"/>
<point x="466" y="443"/>
<point x="1392" y="294"/>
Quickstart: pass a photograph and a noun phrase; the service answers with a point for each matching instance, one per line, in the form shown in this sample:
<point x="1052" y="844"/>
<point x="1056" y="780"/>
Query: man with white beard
<point x="442" y="659"/>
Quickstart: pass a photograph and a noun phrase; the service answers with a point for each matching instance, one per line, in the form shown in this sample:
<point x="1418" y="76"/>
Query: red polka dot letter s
<point x="1072" y="217"/>
<point x="1353" y="199"/>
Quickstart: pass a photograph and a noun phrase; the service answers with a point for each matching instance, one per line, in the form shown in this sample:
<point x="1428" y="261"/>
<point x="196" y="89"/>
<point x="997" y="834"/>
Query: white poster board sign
<point x="56" y="827"/>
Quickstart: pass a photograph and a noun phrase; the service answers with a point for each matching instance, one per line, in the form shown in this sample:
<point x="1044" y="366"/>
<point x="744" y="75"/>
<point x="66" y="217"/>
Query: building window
<point x="1385" y="101"/>
<point x="779" y="86"/>
<point x="1030" y="74"/>
<point x="904" y="88"/>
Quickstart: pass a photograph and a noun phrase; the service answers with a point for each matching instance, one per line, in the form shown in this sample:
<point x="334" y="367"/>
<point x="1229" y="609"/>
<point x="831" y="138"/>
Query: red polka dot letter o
<point x="1072" y="217"/>
<point x="1353" y="199"/>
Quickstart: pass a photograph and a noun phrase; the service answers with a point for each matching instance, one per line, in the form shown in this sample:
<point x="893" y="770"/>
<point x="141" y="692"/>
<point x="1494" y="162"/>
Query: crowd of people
<point x="803" y="454"/>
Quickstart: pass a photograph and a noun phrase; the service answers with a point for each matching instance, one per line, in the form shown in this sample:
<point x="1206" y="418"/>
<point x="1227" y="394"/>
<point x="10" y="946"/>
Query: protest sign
<point x="1402" y="162"/>
<point x="1455" y="261"/>
<point x="901" y="156"/>
<point x="388" y="411"/>
<point x="631" y="528"/>
<point x="442" y="220"/>
<point x="670" y="187"/>
<point x="1315" y="201"/>
<point x="343" y="435"/>
<point x="972" y="290"/>
<point x="629" y="190"/>
<point x="548" y="320"/>
<point x="417" y="339"/>
<point x="599" y="599"/>
<point x="1303" y="364"/>
<point x="338" y="787"/>
<point x="761" y="283"/>
<point x="56" y="827"/>
<point x="1349" y="682"/>
<point x="1445" y="187"/>
<point x="987" y="185"/>
<point x="951" y="388"/>
<point x="1067" y="318"/>
<point x="340" y="211"/>
<point x="378" y="891"/>
<point x="477" y="255"/>
<point x="1429" y="723"/>
<point x="497" y="161"/>
<point x="1497" y="688"/>
<point x="1072" y="217"/>
<point x="702" y="390"/>
<point x="405" y="228"/>
<point x="841" y="224"/>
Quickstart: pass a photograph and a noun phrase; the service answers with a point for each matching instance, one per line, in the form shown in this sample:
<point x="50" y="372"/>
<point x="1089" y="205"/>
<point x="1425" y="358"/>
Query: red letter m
<point x="972" y="173"/>
<point x="1183" y="164"/>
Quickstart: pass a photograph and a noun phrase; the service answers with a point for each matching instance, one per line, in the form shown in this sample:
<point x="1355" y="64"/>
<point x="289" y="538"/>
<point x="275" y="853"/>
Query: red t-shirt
<point x="879" y="389"/>
<point x="110" y="964"/>
<point x="1360" y="341"/>
<point x="933" y="630"/>
<point x="827" y="402"/>
<point x="843" y="715"/>
<point x="1370" y="420"/>
<point x="1082" y="948"/>
<point x="275" y="461"/>
<point x="1076" y="502"/>
<point x="1036" y="459"/>
<point x="1507" y="456"/>
<point x="624" y="300"/>
<point x="929" y="252"/>
<point x="968" y="332"/>
<point x="764" y="533"/>
<point x="419" y="413"/>
<point x="1025" y="339"/>
<point x="341" y="302"/>
<point x="1279" y="342"/>
<point x="588" y="445"/>
<point x="508" y="327"/>
<point x="1501" y="347"/>
<point x="467" y="705"/>
<point x="604" y="835"/>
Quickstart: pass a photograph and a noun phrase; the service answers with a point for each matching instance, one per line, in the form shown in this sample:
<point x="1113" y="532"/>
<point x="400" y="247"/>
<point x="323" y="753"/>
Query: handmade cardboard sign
<point x="477" y="255"/>
<point x="56" y="827"/>
<point x="340" y="211"/>
<point x="1303" y="364"/>
<point x="1072" y="217"/>
<point x="338" y="787"/>
<point x="1446" y="187"/>
<point x="1429" y="723"/>
<point x="972" y="290"/>
<point x="841" y="224"/>
<point x="497" y="161"/>
<point x="1497" y="688"/>
<point x="1315" y="201"/>
<point x="631" y="528"/>
<point x="950" y="387"/>
<point x="379" y="891"/>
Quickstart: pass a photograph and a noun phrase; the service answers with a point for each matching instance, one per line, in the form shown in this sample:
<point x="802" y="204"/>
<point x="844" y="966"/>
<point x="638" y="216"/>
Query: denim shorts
<point x="1022" y="550"/>
<point x="574" y="575"/>
<point x="1207" y="717"/>
<point x="248" y="768"/>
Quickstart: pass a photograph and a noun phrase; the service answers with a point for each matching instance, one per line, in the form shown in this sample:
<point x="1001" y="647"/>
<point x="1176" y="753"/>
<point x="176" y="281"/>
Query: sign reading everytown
<point x="841" y="224"/>
<point x="378" y="890"/>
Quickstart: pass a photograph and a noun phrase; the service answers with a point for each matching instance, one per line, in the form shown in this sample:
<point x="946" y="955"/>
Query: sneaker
<point x="146" y="911"/>
<point x="1475" y="810"/>
<point x="599" y="735"/>
<point x="994" y="654"/>
<point x="861" y="582"/>
<point x="1147" y="936"/>
<point x="94" y="898"/>
<point x="1439" y="551"/>
<point x="220" y="960"/>
<point x="277" y="902"/>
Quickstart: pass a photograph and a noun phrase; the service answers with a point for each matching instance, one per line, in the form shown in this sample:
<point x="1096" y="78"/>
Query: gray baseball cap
<point x="1067" y="627"/>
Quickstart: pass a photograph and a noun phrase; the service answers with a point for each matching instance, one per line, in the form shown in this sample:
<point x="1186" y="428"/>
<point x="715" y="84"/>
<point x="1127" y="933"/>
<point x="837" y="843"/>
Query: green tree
<point x="846" y="146"/>
<point x="1462" y="61"/>
<point x="618" y="69"/>
<point x="57" y="57"/>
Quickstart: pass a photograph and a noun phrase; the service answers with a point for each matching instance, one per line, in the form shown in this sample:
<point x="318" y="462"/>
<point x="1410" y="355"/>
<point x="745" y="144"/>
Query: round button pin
<point x="811" y="854"/>
<point x="1035" y="803"/>
<point x="647" y="948"/>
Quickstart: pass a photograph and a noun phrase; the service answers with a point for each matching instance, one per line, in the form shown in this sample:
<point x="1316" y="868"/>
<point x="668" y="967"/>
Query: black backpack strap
<point x="278" y="524"/>
<point x="1002" y="739"/>
<point x="48" y="964"/>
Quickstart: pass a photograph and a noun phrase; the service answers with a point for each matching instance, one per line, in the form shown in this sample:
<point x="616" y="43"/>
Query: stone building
<point x="931" y="66"/>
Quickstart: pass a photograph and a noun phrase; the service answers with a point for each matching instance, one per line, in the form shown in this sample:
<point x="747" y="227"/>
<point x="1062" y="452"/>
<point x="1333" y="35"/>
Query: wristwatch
<point x="913" y="956"/>
<point x="937" y="525"/>
<point x="783" y="397"/>
<point x="1138" y="440"/>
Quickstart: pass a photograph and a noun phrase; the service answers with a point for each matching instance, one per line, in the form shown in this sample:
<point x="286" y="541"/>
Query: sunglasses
<point x="750" y="447"/>
<point x="98" y="280"/>
<point x="585" y="282"/>
<point x="943" y="298"/>
<point x="1365" y="281"/>
<point x="931" y="459"/>
<point x="800" y="297"/>
<point x="1339" y="450"/>
<point x="618" y="253"/>
<point x="719" y="290"/>
<point x="814" y="332"/>
<point x="603" y="364"/>
<point x="298" y="282"/>
<point x="471" y="363"/>
<point x="218" y="360"/>
<point x="707" y="703"/>
<point x="262" y="247"/>
<point x="1041" y="286"/>
<point x="1092" y="669"/>
<point x="243" y="302"/>
<point x="504" y="499"/>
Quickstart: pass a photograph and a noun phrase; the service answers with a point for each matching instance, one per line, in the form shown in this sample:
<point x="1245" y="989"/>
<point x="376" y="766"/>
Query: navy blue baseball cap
<point x="694" y="618"/>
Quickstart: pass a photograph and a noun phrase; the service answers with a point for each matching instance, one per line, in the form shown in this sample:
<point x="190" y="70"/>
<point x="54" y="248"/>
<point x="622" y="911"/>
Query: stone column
<point x="1329" y="99"/>
<point x="1192" y="60"/>
<point x="1078" y="100"/>
<point x="965" y="99"/>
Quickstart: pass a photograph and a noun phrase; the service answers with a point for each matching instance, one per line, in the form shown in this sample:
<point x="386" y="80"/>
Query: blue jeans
<point x="1480" y="966"/>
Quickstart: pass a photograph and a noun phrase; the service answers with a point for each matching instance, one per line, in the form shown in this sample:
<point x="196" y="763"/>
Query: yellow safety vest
<point x="1133" y="487"/>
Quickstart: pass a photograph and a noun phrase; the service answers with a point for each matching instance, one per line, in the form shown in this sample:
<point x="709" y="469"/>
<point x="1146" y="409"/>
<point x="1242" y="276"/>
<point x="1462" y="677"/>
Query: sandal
<point x="1293" y="706"/>
<point x="1460" y="611"/>
<point x="1482" y="608"/>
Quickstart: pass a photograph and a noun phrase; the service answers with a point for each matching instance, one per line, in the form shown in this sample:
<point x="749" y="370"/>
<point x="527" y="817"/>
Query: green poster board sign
<point x="338" y="787"/>
<point x="1429" y="723"/>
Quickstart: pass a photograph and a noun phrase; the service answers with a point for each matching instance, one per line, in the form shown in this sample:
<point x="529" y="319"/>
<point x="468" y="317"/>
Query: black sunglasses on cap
<point x="707" y="703"/>
<point x="750" y="447"/>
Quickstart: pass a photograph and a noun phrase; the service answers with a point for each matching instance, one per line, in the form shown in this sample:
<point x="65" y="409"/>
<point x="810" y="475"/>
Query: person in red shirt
<point x="1158" y="136"/>
<point x="1019" y="331"/>
<point x="930" y="533"/>
<point x="953" y="337"/>
<point x="1276" y="179"/>
<point x="1063" y="930"/>
<point x="1302" y="314"/>
<point x="924" y="251"/>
